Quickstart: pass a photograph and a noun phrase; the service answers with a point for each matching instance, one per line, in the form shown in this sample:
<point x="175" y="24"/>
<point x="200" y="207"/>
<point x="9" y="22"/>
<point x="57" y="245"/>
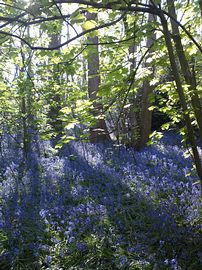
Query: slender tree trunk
<point x="147" y="89"/>
<point x="98" y="133"/>
<point x="140" y="115"/>
<point x="25" y="127"/>
<point x="186" y="71"/>
<point x="55" y="106"/>
<point x="129" y="122"/>
<point x="145" y="114"/>
<point x="27" y="102"/>
<point x="24" y="110"/>
<point x="181" y="94"/>
<point x="200" y="5"/>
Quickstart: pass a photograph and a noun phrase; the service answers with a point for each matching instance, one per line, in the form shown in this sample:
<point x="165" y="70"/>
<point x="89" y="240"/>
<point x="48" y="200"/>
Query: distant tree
<point x="55" y="97"/>
<point x="25" y="90"/>
<point x="98" y="131"/>
<point x="136" y="123"/>
<point x="145" y="114"/>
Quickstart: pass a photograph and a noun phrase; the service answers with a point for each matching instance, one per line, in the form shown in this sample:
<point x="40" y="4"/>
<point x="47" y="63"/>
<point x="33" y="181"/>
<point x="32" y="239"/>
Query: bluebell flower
<point x="81" y="246"/>
<point x="123" y="260"/>
<point x="43" y="213"/>
<point x="48" y="259"/>
<point x="145" y="201"/>
<point x="71" y="239"/>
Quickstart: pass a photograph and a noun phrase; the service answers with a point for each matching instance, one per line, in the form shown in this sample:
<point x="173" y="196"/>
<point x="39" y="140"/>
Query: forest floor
<point x="100" y="207"/>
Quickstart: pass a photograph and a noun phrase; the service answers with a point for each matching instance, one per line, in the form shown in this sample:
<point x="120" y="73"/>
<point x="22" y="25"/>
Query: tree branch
<point x="130" y="6"/>
<point x="9" y="20"/>
<point x="66" y="42"/>
<point x="139" y="7"/>
<point x="63" y="17"/>
<point x="31" y="22"/>
<point x="134" y="7"/>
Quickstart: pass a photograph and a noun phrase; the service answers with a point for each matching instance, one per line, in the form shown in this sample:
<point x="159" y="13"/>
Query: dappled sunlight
<point x="100" y="135"/>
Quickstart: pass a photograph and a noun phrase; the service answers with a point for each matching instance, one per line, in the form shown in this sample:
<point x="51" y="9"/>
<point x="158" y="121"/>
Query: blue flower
<point x="71" y="239"/>
<point x="81" y="246"/>
<point x="48" y="259"/>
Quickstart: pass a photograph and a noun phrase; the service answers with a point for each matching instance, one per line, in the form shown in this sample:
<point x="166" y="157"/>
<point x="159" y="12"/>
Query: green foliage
<point x="37" y="78"/>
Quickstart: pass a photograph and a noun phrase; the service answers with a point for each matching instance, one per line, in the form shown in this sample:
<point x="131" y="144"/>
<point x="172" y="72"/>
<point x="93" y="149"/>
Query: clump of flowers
<point x="99" y="207"/>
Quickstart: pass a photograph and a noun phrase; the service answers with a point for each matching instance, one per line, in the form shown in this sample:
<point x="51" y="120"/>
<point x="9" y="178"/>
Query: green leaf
<point x="77" y="17"/>
<point x="71" y="125"/>
<point x="90" y="24"/>
<point x="151" y="108"/>
<point x="165" y="126"/>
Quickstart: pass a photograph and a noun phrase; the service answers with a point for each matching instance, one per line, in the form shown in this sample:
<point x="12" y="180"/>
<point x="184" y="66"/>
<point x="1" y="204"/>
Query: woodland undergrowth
<point x="89" y="206"/>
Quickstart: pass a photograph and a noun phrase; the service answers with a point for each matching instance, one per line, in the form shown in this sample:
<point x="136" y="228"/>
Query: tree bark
<point x="140" y="115"/>
<point x="25" y="108"/>
<point x="181" y="94"/>
<point x="129" y="122"/>
<point x="200" y="5"/>
<point x="55" y="107"/>
<point x="186" y="71"/>
<point x="98" y="132"/>
<point x="147" y="89"/>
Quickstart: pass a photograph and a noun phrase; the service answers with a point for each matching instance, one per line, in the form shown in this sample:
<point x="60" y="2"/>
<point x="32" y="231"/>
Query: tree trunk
<point x="140" y="115"/>
<point x="147" y="89"/>
<point x="186" y="71"/>
<point x="129" y="121"/>
<point x="98" y="132"/>
<point x="55" y="105"/>
<point x="25" y="108"/>
<point x="200" y="5"/>
<point x="145" y="114"/>
<point x="181" y="94"/>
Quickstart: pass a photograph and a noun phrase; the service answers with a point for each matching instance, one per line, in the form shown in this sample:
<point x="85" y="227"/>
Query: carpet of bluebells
<point x="103" y="207"/>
